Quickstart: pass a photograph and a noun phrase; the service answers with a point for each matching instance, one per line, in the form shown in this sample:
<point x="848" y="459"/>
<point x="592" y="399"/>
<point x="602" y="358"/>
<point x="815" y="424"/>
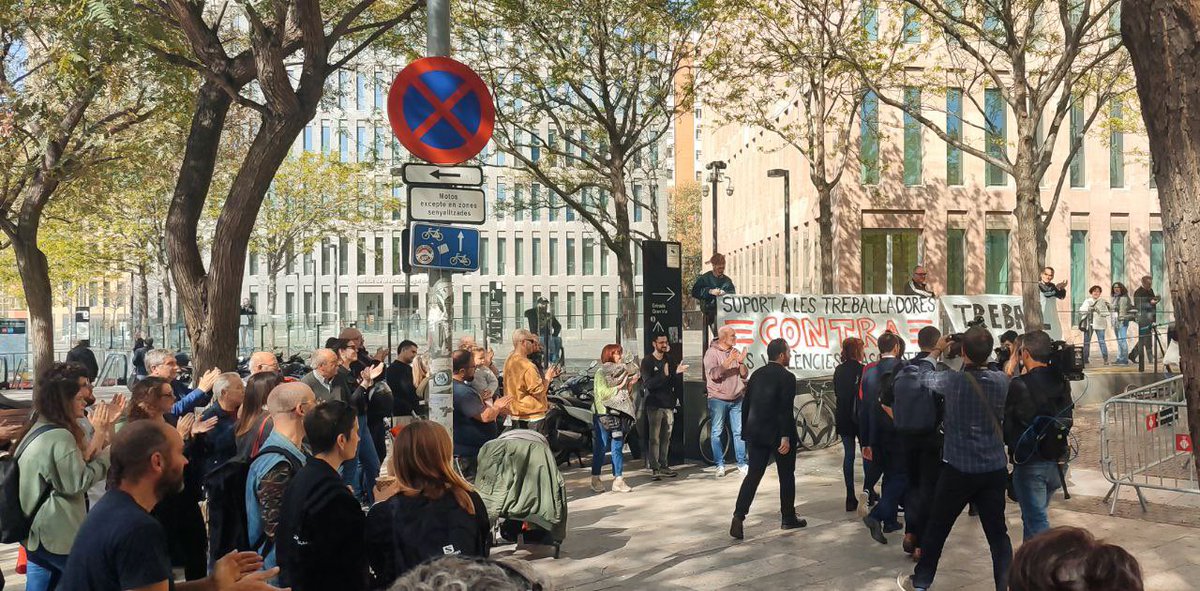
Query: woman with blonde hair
<point x="430" y="510"/>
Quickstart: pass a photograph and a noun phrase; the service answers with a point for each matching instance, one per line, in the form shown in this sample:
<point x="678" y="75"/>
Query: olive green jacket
<point x="54" y="459"/>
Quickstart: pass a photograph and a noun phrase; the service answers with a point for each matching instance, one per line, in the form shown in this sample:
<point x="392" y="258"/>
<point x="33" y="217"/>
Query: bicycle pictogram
<point x="460" y="260"/>
<point x="432" y="233"/>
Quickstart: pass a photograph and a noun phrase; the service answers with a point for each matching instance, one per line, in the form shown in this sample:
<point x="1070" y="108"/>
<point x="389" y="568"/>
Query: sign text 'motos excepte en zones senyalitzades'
<point x="447" y="204"/>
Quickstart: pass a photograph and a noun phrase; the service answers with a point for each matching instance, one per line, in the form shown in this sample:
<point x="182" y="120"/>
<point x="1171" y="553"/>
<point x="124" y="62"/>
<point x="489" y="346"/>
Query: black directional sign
<point x="495" y="320"/>
<point x="662" y="284"/>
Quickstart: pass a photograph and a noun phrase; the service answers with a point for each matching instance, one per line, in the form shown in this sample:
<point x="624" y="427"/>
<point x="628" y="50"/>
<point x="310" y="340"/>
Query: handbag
<point x="1085" y="322"/>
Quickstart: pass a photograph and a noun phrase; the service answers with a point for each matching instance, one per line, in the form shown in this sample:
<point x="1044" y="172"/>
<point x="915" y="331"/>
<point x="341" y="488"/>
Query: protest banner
<point x="999" y="314"/>
<point x="815" y="325"/>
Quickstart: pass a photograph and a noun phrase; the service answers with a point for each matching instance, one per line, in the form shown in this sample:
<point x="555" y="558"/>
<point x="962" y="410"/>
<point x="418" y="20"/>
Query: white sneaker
<point x="597" y="484"/>
<point x="745" y="470"/>
<point x="619" y="485"/>
<point x="720" y="470"/>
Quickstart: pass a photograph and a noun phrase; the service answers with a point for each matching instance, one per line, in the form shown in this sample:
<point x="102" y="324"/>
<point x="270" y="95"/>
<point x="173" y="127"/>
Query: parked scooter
<point x="569" y="420"/>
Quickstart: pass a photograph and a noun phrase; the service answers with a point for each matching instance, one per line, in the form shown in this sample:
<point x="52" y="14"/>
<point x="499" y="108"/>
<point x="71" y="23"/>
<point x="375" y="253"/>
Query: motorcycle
<point x="569" y="420"/>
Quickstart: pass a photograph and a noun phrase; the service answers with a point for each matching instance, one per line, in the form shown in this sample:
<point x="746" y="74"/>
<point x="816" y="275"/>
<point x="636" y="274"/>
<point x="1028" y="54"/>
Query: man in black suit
<point x="768" y="428"/>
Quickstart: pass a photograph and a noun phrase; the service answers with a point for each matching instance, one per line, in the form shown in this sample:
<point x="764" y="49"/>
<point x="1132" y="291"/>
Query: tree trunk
<point x="272" y="290"/>
<point x="627" y="297"/>
<point x="1030" y="257"/>
<point x="825" y="225"/>
<point x="143" y="312"/>
<point x="1162" y="36"/>
<point x="35" y="280"/>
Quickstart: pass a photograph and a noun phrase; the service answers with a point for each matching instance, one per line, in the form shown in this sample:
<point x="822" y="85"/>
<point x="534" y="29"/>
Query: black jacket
<point x="399" y="378"/>
<point x="846" y="380"/>
<point x="874" y="426"/>
<point x="767" y="414"/>
<point x="84" y="355"/>
<point x="659" y="387"/>
<point x="320" y="541"/>
<point x="1042" y="392"/>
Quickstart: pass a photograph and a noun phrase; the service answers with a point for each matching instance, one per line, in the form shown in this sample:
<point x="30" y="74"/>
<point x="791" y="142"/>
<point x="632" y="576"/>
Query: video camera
<point x="1067" y="359"/>
<point x="958" y="336"/>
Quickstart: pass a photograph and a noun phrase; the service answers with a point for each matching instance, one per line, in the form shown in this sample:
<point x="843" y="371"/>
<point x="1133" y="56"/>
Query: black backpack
<point x="14" y="523"/>
<point x="1048" y="436"/>
<point x="438" y="528"/>
<point x="914" y="409"/>
<point x="228" y="524"/>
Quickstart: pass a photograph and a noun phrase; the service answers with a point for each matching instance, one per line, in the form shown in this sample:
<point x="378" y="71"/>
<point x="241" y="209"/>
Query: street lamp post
<point x="787" y="225"/>
<point x="714" y="177"/>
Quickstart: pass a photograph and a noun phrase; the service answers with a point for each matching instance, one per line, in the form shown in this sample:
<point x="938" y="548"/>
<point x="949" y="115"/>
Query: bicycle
<point x="815" y="418"/>
<point x="433" y="233"/>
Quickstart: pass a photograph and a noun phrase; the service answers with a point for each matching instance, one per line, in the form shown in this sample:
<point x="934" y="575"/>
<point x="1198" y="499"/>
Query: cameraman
<point x="1006" y="349"/>
<point x="1037" y="421"/>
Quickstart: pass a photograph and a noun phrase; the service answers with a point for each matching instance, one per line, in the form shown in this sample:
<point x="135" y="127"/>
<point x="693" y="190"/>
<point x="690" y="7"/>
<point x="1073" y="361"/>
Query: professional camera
<point x="958" y="336"/>
<point x="1067" y="359"/>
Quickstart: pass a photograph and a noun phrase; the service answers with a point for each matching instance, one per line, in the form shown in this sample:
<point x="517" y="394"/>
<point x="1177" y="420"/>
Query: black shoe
<point x="910" y="543"/>
<point x="851" y="505"/>
<point x="876" y="529"/>
<point x="669" y="473"/>
<point x="656" y="476"/>
<point x="894" y="527"/>
<point x="735" y="527"/>
<point x="792" y="522"/>
<point x="971" y="511"/>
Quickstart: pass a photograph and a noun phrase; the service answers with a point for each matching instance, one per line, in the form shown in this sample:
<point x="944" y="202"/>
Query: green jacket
<point x="519" y="479"/>
<point x="54" y="458"/>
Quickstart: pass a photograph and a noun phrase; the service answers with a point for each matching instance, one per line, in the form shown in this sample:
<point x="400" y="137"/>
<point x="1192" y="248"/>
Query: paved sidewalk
<point x="673" y="535"/>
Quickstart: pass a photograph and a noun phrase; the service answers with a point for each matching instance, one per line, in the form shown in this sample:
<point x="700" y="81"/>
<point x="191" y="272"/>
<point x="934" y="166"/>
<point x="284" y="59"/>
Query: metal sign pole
<point x="439" y="299"/>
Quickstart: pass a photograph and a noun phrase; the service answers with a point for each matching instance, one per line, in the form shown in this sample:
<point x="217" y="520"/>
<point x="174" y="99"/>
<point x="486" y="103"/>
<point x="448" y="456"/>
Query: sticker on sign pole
<point x="441" y="110"/>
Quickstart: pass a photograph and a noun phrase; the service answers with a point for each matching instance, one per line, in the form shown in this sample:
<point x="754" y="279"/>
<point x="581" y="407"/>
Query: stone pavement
<point x="673" y="535"/>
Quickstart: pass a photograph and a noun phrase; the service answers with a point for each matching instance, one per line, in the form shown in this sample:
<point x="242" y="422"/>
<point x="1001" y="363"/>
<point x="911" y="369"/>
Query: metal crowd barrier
<point x="1144" y="441"/>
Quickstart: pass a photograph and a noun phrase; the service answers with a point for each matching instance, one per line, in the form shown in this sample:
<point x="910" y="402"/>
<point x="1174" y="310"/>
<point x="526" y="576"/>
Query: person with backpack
<point x="916" y="415"/>
<point x="45" y="488"/>
<point x="770" y="431"/>
<point x="429" y="511"/>
<point x="1037" y="423"/>
<point x="847" y="379"/>
<point x="880" y="444"/>
<point x="279" y="460"/>
<point x="121" y="547"/>
<point x="320" y="532"/>
<point x="1094" y="315"/>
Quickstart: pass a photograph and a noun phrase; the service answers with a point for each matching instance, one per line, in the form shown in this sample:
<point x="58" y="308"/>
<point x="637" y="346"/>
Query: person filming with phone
<point x="525" y="384"/>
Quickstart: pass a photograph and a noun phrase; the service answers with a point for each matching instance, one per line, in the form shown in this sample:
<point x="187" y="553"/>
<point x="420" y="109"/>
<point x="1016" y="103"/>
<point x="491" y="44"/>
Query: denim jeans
<point x="45" y="570"/>
<point x="848" y="455"/>
<point x="1121" y="328"/>
<point x="1087" y="343"/>
<point x="602" y="442"/>
<point x="1034" y="482"/>
<point x="362" y="472"/>
<point x="895" y="486"/>
<point x="717" y="409"/>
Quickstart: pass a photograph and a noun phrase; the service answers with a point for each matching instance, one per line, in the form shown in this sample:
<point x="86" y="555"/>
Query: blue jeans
<point x="716" y="411"/>
<point x="362" y="472"/>
<point x="1034" y="482"/>
<point x="1087" y="343"/>
<point x="1121" y="328"/>
<point x="895" y="485"/>
<point x="602" y="442"/>
<point x="848" y="455"/>
<point x="45" y="570"/>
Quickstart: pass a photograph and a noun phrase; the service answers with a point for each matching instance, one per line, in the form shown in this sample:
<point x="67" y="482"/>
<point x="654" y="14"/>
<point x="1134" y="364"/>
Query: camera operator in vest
<point x="916" y="412"/>
<point x="1037" y="424"/>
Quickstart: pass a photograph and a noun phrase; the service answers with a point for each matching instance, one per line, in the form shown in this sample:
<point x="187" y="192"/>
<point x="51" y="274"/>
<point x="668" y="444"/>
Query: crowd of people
<point x="289" y="472"/>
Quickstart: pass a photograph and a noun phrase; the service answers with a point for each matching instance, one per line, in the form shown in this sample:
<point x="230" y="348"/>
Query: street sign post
<point x="83" y="323"/>
<point x="448" y="248"/>
<point x="441" y="110"/>
<point x="495" y="321"/>
<point x="415" y="173"/>
<point x="662" y="302"/>
<point x="458" y="205"/>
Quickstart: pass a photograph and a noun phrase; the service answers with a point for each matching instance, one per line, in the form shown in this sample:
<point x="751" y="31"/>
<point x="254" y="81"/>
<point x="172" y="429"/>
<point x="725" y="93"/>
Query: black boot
<point x="792" y="522"/>
<point x="876" y="529"/>
<point x="735" y="527"/>
<point x="851" y="504"/>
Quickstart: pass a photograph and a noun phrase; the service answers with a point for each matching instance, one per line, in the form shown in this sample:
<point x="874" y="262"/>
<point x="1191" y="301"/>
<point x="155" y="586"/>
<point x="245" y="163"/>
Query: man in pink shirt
<point x="725" y="379"/>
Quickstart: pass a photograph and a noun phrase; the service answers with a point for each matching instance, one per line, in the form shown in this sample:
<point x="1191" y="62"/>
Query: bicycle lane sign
<point x="449" y="248"/>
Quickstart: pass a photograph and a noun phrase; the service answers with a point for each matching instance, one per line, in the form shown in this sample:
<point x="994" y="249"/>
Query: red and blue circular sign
<point x="441" y="110"/>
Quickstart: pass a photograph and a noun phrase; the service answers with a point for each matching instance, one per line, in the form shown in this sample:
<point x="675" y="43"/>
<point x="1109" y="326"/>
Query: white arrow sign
<point x="658" y="329"/>
<point x="460" y="239"/>
<point x="670" y="295"/>
<point x="429" y="174"/>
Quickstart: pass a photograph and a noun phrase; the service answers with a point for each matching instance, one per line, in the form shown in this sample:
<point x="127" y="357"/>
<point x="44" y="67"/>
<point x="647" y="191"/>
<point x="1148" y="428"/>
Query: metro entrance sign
<point x="441" y="110"/>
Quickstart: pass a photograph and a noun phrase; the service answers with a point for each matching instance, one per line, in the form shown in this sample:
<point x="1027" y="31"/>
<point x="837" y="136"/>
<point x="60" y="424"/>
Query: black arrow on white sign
<point x="439" y="174"/>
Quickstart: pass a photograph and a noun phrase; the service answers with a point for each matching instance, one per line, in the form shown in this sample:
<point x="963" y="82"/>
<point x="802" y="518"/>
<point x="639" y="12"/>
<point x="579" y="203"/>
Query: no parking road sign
<point x="441" y="110"/>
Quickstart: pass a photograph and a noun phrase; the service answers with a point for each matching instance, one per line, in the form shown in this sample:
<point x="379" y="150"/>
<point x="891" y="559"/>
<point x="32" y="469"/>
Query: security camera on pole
<point x="442" y="112"/>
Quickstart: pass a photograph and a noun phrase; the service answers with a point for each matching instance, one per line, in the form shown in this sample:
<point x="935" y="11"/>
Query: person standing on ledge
<point x="710" y="286"/>
<point x="770" y="430"/>
<point x="918" y="285"/>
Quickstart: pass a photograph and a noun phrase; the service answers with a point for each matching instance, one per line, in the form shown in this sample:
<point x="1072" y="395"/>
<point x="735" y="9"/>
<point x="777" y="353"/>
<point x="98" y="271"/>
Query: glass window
<point x="343" y="143"/>
<point x="570" y="308"/>
<point x="483" y="256"/>
<point x="1116" y="148"/>
<point x="325" y="137"/>
<point x="500" y="255"/>
<point x="535" y="202"/>
<point x="1079" y="271"/>
<point x="308" y="138"/>
<point x="603" y="258"/>
<point x="552" y="211"/>
<point x="589" y="309"/>
<point x="325" y="248"/>
<point x="570" y="256"/>
<point x="954" y="129"/>
<point x="637" y="203"/>
<point x="519" y="255"/>
<point x="554" y="256"/>
<point x="912" y="25"/>
<point x="1117" y="257"/>
<point x="518" y="203"/>
<point x="605" y="310"/>
<point x="1158" y="266"/>
<point x="870" y="19"/>
<point x="996" y="261"/>
<point x="888" y="256"/>
<point x="589" y="256"/>
<point x="360" y="91"/>
<point x="869" y="133"/>
<point x="1078" y="170"/>
<point x="466" y="308"/>
<point x="398" y="255"/>
<point x="341" y="89"/>
<point x="537" y="256"/>
<point x="378" y="270"/>
<point x="360" y="152"/>
<point x="995" y="135"/>
<point x="519" y="308"/>
<point x="380" y="90"/>
<point x="912" y="137"/>
<point x="289" y="305"/>
<point x="956" y="261"/>
<point x="637" y="258"/>
<point x="343" y="255"/>
<point x="253" y="262"/>
<point x="308" y="303"/>
<point x="380" y="138"/>
<point x="361" y="259"/>
<point x="501" y="196"/>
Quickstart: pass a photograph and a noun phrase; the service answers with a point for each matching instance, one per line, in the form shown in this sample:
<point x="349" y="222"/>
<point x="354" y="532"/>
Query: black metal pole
<point x="787" y="232"/>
